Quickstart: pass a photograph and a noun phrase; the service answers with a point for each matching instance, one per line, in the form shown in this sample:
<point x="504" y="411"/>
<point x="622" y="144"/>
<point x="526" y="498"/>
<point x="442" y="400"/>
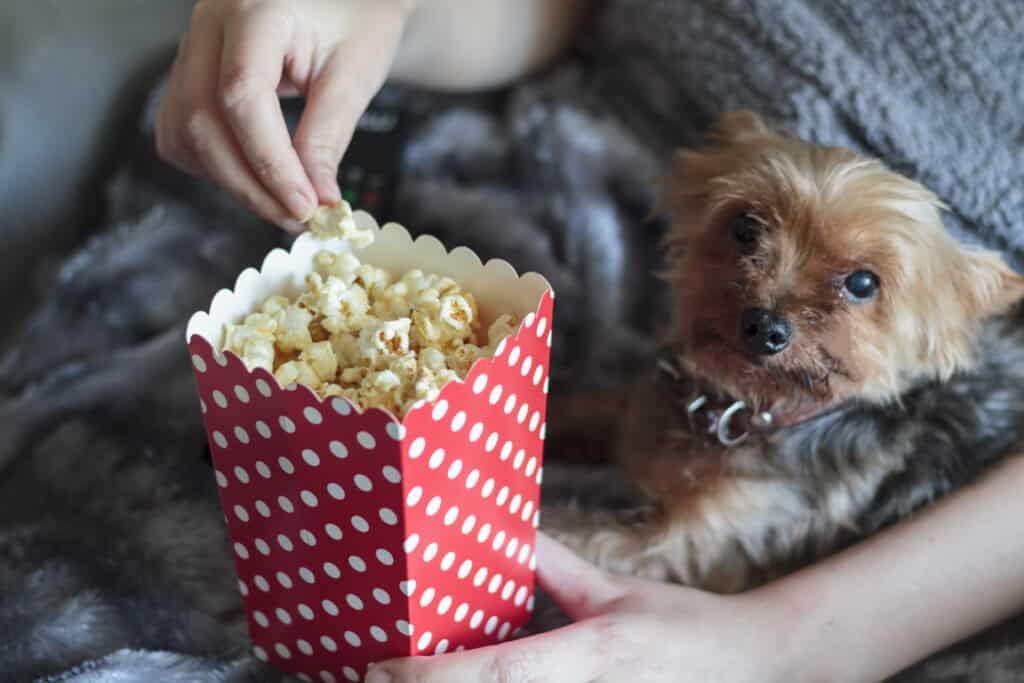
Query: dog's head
<point x="810" y="274"/>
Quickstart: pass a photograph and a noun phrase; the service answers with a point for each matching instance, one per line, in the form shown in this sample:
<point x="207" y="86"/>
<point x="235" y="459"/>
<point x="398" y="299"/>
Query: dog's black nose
<point x="764" y="333"/>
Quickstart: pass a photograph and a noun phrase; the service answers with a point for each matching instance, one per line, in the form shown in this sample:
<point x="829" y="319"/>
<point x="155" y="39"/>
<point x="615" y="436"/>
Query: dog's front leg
<point x="629" y="543"/>
<point x="726" y="542"/>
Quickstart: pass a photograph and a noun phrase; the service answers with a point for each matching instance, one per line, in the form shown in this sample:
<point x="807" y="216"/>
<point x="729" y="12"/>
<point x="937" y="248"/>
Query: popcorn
<point x="358" y="333"/>
<point x="406" y="367"/>
<point x="342" y="266"/>
<point x="503" y="327"/>
<point x="432" y="359"/>
<point x="374" y="280"/>
<point x="462" y="358"/>
<point x="344" y="307"/>
<point x="426" y="331"/>
<point x="346" y="349"/>
<point x="457" y="314"/>
<point x="337" y="221"/>
<point x="383" y="339"/>
<point x="275" y="305"/>
<point x="320" y="356"/>
<point x="296" y="372"/>
<point x="353" y="375"/>
<point x="293" y="328"/>
<point x="253" y="341"/>
<point x="327" y="389"/>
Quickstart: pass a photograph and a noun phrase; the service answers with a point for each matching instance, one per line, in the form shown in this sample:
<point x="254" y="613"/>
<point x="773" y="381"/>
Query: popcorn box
<point x="358" y="536"/>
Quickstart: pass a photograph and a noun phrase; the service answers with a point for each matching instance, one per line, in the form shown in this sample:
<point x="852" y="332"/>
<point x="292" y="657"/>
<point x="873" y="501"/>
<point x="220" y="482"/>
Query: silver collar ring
<point x="722" y="431"/>
<point x="721" y="427"/>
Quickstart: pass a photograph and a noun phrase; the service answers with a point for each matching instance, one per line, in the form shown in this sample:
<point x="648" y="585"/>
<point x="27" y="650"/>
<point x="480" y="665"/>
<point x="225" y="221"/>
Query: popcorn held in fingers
<point x="336" y="221"/>
<point x="356" y="332"/>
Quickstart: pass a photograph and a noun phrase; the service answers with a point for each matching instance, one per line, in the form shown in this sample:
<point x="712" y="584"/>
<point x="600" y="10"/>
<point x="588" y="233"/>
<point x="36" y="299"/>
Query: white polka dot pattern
<point x="358" y="538"/>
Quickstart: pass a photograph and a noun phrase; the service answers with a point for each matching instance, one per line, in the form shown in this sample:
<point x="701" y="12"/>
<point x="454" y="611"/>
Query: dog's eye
<point x="745" y="230"/>
<point x="861" y="285"/>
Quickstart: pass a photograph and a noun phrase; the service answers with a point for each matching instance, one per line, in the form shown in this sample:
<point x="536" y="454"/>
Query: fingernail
<point x="378" y="676"/>
<point x="330" y="182"/>
<point x="302" y="205"/>
<point x="293" y="227"/>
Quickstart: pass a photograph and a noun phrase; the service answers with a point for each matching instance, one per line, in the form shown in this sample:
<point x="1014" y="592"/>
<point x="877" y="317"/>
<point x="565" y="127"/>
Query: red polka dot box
<point x="358" y="537"/>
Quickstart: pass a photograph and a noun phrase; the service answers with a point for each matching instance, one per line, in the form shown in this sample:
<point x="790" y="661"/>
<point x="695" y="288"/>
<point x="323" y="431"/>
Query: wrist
<point x="779" y="635"/>
<point x="813" y="631"/>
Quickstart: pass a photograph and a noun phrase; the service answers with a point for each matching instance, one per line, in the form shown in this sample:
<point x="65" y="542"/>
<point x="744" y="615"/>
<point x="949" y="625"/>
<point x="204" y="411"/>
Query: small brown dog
<point x="835" y="360"/>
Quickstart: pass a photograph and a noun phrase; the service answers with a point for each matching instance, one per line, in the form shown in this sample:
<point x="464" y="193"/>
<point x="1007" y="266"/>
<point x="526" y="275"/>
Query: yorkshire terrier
<point x="835" y="360"/>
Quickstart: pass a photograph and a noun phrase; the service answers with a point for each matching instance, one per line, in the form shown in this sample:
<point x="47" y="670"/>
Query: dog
<point x="835" y="360"/>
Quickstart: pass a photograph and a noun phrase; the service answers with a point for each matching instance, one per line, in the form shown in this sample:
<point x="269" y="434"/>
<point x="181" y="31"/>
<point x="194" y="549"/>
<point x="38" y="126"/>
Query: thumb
<point x="578" y="587"/>
<point x="335" y="101"/>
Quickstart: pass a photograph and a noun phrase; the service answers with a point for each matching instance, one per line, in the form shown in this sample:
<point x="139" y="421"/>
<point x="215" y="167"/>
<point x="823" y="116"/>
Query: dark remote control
<point x="370" y="170"/>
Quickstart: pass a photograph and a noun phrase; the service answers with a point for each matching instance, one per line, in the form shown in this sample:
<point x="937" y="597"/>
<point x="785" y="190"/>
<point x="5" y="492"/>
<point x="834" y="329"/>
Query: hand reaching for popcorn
<point x="220" y="116"/>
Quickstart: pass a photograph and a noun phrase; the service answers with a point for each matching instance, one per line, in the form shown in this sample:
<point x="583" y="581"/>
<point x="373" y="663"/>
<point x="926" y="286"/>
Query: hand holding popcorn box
<point x="376" y="414"/>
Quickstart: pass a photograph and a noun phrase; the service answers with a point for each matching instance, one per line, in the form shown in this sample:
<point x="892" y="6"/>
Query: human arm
<point x="941" y="576"/>
<point x="473" y="45"/>
<point x="220" y="115"/>
<point x="858" y="617"/>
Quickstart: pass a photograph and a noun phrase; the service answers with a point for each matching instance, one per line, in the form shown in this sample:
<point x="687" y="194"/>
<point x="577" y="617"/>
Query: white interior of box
<point x="496" y="286"/>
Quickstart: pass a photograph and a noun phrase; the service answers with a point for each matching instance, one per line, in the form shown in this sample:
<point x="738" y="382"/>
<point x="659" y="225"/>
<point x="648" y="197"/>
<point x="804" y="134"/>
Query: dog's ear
<point x="737" y="126"/>
<point x="991" y="286"/>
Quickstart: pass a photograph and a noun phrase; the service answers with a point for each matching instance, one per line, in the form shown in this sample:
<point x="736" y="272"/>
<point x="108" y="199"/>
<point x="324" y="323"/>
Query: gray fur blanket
<point x="113" y="559"/>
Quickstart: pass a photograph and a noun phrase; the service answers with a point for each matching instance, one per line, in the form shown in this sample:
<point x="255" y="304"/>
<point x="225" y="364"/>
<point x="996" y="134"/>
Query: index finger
<point x="574" y="654"/>
<point x="251" y="65"/>
<point x="578" y="587"/>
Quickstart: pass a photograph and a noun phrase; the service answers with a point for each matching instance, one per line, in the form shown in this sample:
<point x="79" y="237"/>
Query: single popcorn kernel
<point x="432" y="359"/>
<point x="504" y="326"/>
<point x="321" y="358"/>
<point x="375" y="280"/>
<point x="342" y="266"/>
<point x="337" y="221"/>
<point x="457" y="315"/>
<point x="406" y="367"/>
<point x="253" y="341"/>
<point x="353" y="375"/>
<point x="327" y="390"/>
<point x="349" y="312"/>
<point x="384" y="339"/>
<point x="275" y="305"/>
<point x="463" y="357"/>
<point x="358" y="333"/>
<point x="293" y="328"/>
<point x="296" y="372"/>
<point x="425" y="331"/>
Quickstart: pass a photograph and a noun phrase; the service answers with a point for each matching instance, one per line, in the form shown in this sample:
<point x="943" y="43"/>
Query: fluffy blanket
<point x="113" y="558"/>
<point x="933" y="87"/>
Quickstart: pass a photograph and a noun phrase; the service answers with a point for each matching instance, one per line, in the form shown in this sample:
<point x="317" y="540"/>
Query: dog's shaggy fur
<point x="911" y="392"/>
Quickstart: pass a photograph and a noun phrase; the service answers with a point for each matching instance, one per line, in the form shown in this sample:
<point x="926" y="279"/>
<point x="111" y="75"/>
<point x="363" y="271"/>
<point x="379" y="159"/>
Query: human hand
<point x="220" y="116"/>
<point x="625" y="629"/>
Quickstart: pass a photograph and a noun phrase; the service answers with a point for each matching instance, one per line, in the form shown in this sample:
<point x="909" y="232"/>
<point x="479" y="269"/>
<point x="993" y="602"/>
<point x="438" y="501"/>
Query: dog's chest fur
<point x="737" y="517"/>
